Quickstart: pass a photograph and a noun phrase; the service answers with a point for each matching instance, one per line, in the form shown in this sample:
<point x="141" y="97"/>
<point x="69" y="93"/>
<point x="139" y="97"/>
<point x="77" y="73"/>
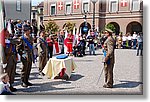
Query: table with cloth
<point x="56" y="66"/>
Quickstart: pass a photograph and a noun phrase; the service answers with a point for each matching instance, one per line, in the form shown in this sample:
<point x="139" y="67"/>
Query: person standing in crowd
<point x="119" y="41"/>
<point x="42" y="51"/>
<point x="25" y="49"/>
<point x="61" y="41"/>
<point x="4" y="85"/>
<point x="129" y="40"/>
<point x="11" y="30"/>
<point x="50" y="42"/>
<point x="35" y="31"/>
<point x="24" y="24"/>
<point x="84" y="44"/>
<point x="69" y="43"/>
<point x="103" y="39"/>
<point x="29" y="25"/>
<point x="19" y="32"/>
<point x="140" y="44"/>
<point x="134" y="38"/>
<point x="42" y="27"/>
<point x="109" y="59"/>
<point x="124" y="41"/>
<point x="11" y="61"/>
<point x="90" y="39"/>
<point x="115" y="38"/>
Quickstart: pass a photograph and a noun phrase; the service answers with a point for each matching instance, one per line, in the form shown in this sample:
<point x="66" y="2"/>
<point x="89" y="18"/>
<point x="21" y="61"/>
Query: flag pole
<point x="2" y="37"/>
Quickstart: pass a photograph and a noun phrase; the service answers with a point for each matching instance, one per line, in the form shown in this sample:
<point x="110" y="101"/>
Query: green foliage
<point x="111" y="26"/>
<point x="69" y="26"/>
<point x="52" y="27"/>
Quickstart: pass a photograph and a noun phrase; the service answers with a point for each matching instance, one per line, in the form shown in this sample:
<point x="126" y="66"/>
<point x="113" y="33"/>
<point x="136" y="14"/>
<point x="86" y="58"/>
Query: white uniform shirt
<point x="124" y="38"/>
<point x="134" y="36"/>
<point x="129" y="37"/>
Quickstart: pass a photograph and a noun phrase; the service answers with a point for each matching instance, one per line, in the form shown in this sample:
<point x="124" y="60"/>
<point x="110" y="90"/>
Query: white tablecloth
<point x="54" y="67"/>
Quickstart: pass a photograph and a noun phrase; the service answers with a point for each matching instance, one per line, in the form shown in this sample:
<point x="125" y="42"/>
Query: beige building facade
<point x="125" y="15"/>
<point x="37" y="13"/>
<point x="18" y="9"/>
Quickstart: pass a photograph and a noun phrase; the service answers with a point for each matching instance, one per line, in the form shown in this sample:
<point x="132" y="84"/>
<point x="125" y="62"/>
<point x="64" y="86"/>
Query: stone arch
<point x="82" y="25"/>
<point x="134" y="27"/>
<point x="117" y="30"/>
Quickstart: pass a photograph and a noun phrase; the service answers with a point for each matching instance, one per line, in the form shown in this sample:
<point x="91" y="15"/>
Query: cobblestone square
<point x="127" y="77"/>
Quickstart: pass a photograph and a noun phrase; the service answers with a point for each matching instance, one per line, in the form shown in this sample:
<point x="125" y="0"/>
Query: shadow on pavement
<point x="127" y="84"/>
<point x="75" y="77"/>
<point x="43" y="87"/>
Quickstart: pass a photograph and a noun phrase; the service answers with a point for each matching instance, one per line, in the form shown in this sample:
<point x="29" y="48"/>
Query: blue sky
<point x="35" y="2"/>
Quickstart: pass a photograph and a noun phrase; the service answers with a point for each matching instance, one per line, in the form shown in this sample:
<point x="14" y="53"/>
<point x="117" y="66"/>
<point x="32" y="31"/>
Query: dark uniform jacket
<point x="23" y="49"/>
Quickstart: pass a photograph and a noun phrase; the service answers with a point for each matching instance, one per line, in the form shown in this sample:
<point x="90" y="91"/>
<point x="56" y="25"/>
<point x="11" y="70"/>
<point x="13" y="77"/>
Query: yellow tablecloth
<point x="54" y="67"/>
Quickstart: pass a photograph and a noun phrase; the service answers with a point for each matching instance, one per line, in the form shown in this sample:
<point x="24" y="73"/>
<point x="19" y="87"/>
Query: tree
<point x="111" y="26"/>
<point x="69" y="26"/>
<point x="52" y="27"/>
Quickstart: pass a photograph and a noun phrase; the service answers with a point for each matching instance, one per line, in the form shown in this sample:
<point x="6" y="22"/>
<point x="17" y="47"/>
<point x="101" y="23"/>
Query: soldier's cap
<point x="26" y="27"/>
<point x="108" y="30"/>
<point x="3" y="75"/>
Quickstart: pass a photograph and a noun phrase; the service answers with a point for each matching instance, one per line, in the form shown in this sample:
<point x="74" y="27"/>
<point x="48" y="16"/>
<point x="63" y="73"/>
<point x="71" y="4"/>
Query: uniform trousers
<point x="27" y="64"/>
<point x="108" y="70"/>
<point x="11" y="68"/>
<point x="42" y="61"/>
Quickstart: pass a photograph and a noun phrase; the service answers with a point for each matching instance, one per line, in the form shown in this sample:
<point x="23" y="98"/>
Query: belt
<point x="69" y="42"/>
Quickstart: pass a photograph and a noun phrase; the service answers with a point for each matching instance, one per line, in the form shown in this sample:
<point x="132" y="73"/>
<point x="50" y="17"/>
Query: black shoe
<point x="107" y="86"/>
<point x="29" y="84"/>
<point x="12" y="89"/>
<point x="17" y="74"/>
<point x="42" y="74"/>
<point x="24" y="85"/>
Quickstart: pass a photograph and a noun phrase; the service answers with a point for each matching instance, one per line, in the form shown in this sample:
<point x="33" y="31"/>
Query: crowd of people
<point x="128" y="41"/>
<point x="25" y="42"/>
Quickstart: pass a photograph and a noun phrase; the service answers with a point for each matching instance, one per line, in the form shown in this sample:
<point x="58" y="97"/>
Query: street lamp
<point x="85" y="27"/>
<point x="94" y="2"/>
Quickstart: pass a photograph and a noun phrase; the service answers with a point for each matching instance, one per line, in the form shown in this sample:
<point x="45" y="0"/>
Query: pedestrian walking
<point x="109" y="59"/>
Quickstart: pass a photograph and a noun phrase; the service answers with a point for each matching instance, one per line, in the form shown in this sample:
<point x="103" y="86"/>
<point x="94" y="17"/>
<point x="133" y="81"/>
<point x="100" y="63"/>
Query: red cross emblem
<point x="60" y="5"/>
<point x="76" y="4"/>
<point x="123" y="3"/>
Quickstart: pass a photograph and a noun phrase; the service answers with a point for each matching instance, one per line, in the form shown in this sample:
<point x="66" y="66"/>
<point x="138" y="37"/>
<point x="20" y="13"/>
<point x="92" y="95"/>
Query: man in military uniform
<point x="42" y="51"/>
<point x="109" y="60"/>
<point x="25" y="49"/>
<point x="11" y="61"/>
